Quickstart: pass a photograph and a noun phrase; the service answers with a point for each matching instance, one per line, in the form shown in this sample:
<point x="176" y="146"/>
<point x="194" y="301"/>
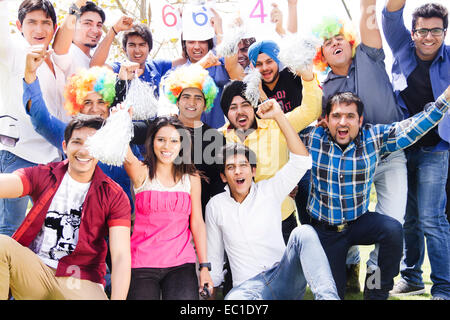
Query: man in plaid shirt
<point x="345" y="156"/>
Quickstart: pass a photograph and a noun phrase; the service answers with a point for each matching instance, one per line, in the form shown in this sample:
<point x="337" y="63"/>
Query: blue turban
<point x="268" y="47"/>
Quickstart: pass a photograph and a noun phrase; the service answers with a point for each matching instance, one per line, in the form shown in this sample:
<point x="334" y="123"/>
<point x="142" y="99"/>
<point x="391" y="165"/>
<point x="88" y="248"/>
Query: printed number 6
<point x="196" y="14"/>
<point x="174" y="17"/>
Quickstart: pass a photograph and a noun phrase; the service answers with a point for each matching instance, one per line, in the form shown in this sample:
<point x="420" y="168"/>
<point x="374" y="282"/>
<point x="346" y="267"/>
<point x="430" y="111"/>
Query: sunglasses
<point x="8" y="141"/>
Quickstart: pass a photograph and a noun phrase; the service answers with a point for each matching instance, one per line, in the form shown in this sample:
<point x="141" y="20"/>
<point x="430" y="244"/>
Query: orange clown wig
<point x="329" y="28"/>
<point x="96" y="79"/>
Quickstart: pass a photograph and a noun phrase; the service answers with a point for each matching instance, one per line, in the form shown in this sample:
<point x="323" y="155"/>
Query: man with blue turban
<point x="283" y="86"/>
<point x="286" y="88"/>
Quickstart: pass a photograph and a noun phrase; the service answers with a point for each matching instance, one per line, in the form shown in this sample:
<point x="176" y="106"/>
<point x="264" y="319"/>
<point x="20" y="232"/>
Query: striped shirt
<point x="341" y="179"/>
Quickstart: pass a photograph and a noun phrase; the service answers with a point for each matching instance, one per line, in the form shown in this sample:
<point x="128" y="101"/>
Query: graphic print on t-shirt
<point x="59" y="233"/>
<point x="62" y="229"/>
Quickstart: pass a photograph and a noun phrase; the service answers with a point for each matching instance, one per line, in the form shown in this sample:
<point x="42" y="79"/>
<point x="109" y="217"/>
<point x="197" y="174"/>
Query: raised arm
<point x="395" y="5"/>
<point x="292" y="16"/>
<point x="403" y="134"/>
<point x="64" y="35"/>
<point x="136" y="170"/>
<point x="311" y="107"/>
<point x="272" y="110"/>
<point x="101" y="53"/>
<point x="50" y="127"/>
<point x="6" y="54"/>
<point x="368" y="25"/>
<point x="395" y="32"/>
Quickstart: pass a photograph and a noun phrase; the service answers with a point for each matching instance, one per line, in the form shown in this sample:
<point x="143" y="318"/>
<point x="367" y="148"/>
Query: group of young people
<point x="261" y="199"/>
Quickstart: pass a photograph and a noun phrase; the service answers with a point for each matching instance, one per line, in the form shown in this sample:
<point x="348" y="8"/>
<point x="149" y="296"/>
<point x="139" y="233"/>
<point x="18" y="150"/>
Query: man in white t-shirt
<point x="79" y="33"/>
<point x="245" y="221"/>
<point x="20" y="145"/>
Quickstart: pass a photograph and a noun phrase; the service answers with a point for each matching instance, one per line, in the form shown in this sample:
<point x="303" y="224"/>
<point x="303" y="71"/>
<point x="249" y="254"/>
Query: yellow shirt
<point x="268" y="142"/>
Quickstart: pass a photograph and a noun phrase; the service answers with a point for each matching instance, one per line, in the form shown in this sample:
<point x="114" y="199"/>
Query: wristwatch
<point x="74" y="10"/>
<point x="204" y="265"/>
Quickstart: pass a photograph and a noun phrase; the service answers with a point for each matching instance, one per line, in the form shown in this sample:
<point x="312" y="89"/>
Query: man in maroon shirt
<point x="59" y="250"/>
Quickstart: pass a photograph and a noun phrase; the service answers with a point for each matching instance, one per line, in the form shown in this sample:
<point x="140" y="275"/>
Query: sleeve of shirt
<point x="310" y="109"/>
<point x="162" y="66"/>
<point x="219" y="74"/>
<point x="444" y="127"/>
<point x="215" y="246"/>
<point x="26" y="176"/>
<point x="282" y="183"/>
<point x="6" y="52"/>
<point x="375" y="54"/>
<point x="395" y="32"/>
<point x="64" y="62"/>
<point x="48" y="126"/>
<point x="119" y="209"/>
<point x="403" y="134"/>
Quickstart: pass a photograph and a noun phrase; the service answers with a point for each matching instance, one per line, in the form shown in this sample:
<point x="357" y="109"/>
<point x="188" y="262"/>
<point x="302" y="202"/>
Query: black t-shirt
<point x="287" y="91"/>
<point x="417" y="95"/>
<point x="206" y="143"/>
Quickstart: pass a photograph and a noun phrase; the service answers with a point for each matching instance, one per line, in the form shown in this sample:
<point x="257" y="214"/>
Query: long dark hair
<point x="183" y="163"/>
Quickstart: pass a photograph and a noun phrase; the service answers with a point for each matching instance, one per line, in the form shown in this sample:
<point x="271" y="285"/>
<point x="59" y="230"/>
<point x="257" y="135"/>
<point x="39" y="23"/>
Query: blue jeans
<point x="369" y="228"/>
<point x="304" y="261"/>
<point x="391" y="185"/>
<point x="12" y="211"/>
<point x="426" y="217"/>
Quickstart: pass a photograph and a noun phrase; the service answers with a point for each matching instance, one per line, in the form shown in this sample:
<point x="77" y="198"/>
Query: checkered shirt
<point x="341" y="179"/>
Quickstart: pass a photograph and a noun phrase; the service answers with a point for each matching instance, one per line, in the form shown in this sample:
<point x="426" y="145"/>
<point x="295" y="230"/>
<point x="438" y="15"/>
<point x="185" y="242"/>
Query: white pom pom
<point x="110" y="144"/>
<point x="140" y="96"/>
<point x="253" y="81"/>
<point x="297" y="52"/>
<point x="230" y="41"/>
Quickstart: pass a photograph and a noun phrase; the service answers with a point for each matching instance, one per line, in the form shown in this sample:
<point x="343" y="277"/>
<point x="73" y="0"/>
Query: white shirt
<point x="250" y="232"/>
<point x="30" y="146"/>
<point x="59" y="234"/>
<point x="78" y="60"/>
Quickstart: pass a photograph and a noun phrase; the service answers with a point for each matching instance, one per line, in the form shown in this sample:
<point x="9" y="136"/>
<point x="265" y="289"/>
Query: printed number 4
<point x="261" y="15"/>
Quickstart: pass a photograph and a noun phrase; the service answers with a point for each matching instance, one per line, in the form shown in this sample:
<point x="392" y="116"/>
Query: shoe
<point x="438" y="298"/>
<point x="353" y="285"/>
<point x="403" y="288"/>
<point x="372" y="287"/>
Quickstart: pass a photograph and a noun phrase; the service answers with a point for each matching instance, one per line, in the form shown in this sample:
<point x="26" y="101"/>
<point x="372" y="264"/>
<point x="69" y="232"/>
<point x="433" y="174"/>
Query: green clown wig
<point x="191" y="76"/>
<point x="329" y="28"/>
<point x="96" y="79"/>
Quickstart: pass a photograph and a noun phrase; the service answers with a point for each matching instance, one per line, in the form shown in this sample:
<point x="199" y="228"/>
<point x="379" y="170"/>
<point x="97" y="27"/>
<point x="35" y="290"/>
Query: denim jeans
<point x="391" y="183"/>
<point x="426" y="217"/>
<point x="369" y="228"/>
<point x="12" y="211"/>
<point x="173" y="283"/>
<point x="304" y="262"/>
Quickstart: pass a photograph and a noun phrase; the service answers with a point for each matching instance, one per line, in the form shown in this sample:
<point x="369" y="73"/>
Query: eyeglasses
<point x="423" y="32"/>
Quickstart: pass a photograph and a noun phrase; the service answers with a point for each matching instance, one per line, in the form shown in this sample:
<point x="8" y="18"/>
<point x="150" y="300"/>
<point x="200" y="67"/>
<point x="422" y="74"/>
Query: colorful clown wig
<point x="329" y="28"/>
<point x="99" y="79"/>
<point x="191" y="76"/>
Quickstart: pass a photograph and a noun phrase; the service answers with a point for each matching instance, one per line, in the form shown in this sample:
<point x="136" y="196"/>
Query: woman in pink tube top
<point x="168" y="216"/>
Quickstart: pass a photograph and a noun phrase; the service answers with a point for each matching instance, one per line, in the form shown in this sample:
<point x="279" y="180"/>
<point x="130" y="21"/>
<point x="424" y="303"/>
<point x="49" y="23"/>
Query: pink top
<point x="161" y="236"/>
